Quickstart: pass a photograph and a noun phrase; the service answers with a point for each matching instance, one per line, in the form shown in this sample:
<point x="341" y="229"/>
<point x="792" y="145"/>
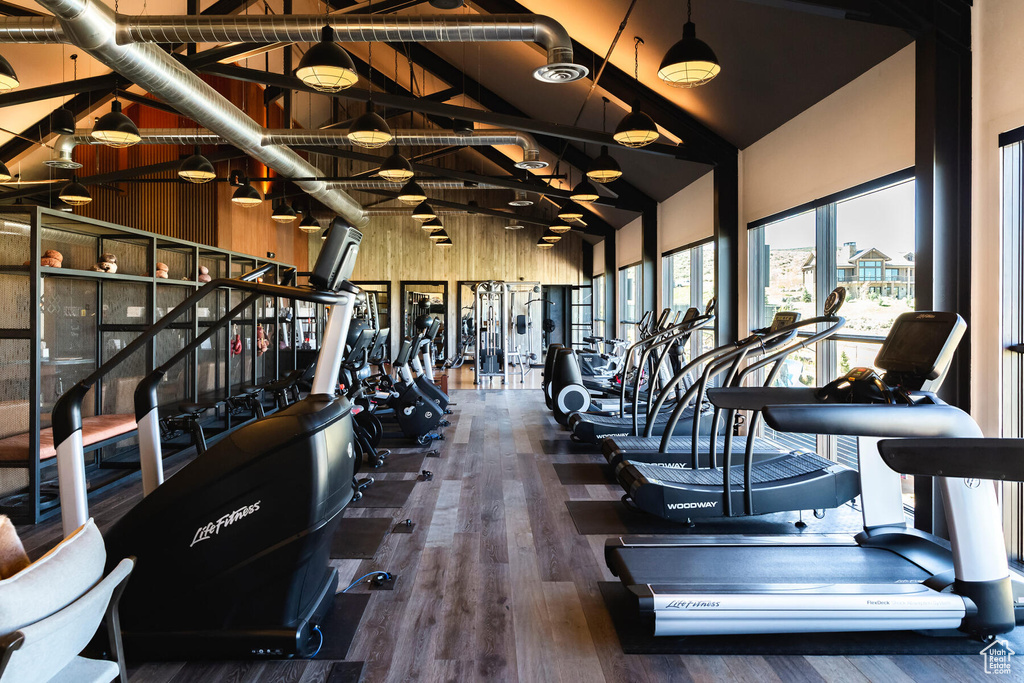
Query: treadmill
<point x="888" y="577"/>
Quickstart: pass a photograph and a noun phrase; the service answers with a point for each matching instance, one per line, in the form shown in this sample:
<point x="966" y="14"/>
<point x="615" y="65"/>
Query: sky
<point x="883" y="219"/>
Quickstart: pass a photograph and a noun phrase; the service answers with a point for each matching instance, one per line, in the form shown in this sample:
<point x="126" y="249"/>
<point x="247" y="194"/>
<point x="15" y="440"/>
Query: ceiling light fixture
<point x="423" y="212"/>
<point x="636" y="129"/>
<point x="514" y="225"/>
<point x="432" y="225"/>
<point x="604" y="169"/>
<point x="8" y="79"/>
<point x="326" y="66"/>
<point x="559" y="229"/>
<point x="74" y="193"/>
<point x="115" y="129"/>
<point x="570" y="211"/>
<point x="370" y="130"/>
<point x="246" y="195"/>
<point x="62" y="121"/>
<point x="544" y="245"/>
<point x="690" y="62"/>
<point x="283" y="213"/>
<point x="197" y="169"/>
<point x="446" y="242"/>
<point x="411" y="193"/>
<point x="309" y="224"/>
<point x="550" y="237"/>
<point x="584" y="192"/>
<point x="520" y="199"/>
<point x="395" y="168"/>
<point x="438" y="235"/>
<point x="5" y="173"/>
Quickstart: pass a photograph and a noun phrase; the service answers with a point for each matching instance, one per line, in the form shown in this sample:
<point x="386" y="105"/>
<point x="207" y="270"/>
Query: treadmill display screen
<point x="917" y="344"/>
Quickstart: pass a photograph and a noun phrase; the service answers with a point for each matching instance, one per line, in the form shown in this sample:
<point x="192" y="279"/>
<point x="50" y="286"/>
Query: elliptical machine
<point x="232" y="552"/>
<point x="423" y="363"/>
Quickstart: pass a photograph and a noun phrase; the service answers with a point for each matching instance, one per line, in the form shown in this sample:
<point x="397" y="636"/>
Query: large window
<point x="629" y="302"/>
<point x="689" y="281"/>
<point x="863" y="240"/>
<point x="599" y="305"/>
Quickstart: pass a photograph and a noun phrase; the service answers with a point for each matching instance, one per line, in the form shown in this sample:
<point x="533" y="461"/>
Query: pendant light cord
<point x="689" y="10"/>
<point x="637" y="42"/>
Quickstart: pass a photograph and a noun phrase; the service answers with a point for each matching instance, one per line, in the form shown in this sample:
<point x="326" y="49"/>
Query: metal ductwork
<point x="91" y="26"/>
<point x="462" y="28"/>
<point x="427" y="184"/>
<point x="64" y="144"/>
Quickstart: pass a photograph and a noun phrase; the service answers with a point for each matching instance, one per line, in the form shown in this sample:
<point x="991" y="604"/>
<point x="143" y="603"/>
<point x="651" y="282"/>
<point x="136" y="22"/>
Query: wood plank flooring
<point x="495" y="584"/>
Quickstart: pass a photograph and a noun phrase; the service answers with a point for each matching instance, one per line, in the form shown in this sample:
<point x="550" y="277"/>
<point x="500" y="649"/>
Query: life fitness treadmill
<point x="889" y="577"/>
<point x="232" y="552"/>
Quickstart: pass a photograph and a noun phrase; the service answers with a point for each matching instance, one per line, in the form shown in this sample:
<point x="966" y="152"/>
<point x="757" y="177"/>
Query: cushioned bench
<point x="97" y="429"/>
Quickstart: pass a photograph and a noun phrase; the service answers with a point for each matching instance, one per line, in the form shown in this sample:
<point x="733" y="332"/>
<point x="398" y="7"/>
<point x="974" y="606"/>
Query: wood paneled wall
<point x="395" y="248"/>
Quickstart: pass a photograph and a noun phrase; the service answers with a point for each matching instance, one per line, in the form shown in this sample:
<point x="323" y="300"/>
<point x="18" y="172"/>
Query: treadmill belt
<point x="636" y="639"/>
<point x="614" y="518"/>
<point x="358" y="538"/>
<point x="576" y="474"/>
<point x="776" y="469"/>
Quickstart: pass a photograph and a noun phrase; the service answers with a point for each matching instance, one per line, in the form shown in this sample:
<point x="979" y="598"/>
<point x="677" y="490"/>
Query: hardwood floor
<point x="495" y="583"/>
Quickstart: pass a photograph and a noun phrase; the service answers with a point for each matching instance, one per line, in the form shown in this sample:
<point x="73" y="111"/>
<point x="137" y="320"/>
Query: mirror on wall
<point x="379" y="292"/>
<point x="465" y="342"/>
<point x="426" y="298"/>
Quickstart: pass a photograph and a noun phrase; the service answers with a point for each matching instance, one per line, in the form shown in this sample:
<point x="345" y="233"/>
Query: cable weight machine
<point x="491" y="313"/>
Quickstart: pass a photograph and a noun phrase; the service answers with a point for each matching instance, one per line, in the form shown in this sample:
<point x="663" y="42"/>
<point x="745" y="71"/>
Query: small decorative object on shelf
<point x="161" y="270"/>
<point x="106" y="264"/>
<point x="52" y="258"/>
<point x="204" y="274"/>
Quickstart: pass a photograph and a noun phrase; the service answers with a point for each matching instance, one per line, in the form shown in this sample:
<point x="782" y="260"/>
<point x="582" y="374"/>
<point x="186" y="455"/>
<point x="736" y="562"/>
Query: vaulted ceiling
<point x="778" y="58"/>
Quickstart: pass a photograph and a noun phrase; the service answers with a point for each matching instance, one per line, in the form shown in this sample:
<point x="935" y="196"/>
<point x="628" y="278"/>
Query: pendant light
<point x="559" y="229"/>
<point x="5" y="173"/>
<point x="636" y="129"/>
<point x="584" y="192"/>
<point x="432" y="225"/>
<point x="114" y="129"/>
<point x="197" y="169"/>
<point x="570" y="211"/>
<point x="62" y="121"/>
<point x="446" y="242"/>
<point x="246" y="195"/>
<point x="550" y="237"/>
<point x="423" y="212"/>
<point x="543" y="244"/>
<point x="308" y="223"/>
<point x="411" y="193"/>
<point x="74" y="193"/>
<point x="690" y="62"/>
<point x="326" y="66"/>
<point x="283" y="213"/>
<point x="437" y="235"/>
<point x="604" y="169"/>
<point x="396" y="168"/>
<point x="370" y="130"/>
<point x="8" y="79"/>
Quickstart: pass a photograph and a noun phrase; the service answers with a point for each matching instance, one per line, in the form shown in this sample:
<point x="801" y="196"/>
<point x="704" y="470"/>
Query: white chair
<point x="53" y="608"/>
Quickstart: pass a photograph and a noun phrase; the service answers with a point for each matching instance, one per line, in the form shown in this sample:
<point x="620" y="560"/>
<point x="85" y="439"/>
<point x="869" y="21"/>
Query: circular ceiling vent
<point x="521" y="199"/>
<point x="560" y="72"/>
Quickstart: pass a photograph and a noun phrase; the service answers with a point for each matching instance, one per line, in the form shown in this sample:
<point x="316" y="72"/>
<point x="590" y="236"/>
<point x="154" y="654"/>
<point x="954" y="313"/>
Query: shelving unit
<point x="58" y="324"/>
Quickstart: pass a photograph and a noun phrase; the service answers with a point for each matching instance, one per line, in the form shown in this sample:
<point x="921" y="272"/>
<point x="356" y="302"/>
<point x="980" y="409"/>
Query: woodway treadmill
<point x="888" y="577"/>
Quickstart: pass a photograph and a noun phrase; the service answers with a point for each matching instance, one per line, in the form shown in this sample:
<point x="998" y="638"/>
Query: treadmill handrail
<point x="990" y="458"/>
<point x="652" y="335"/>
<point x="928" y="420"/>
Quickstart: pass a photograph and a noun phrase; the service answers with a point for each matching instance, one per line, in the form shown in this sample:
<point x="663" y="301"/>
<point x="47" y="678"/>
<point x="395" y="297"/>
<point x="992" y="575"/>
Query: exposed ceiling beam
<point x="149" y="102"/>
<point x="10" y="10"/>
<point x="48" y="92"/>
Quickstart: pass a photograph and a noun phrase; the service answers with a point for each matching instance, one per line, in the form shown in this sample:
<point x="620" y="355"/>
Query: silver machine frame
<point x="490" y="301"/>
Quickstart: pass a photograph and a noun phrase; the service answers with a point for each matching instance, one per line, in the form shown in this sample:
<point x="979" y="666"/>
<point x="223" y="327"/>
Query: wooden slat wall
<point x="395" y="248"/>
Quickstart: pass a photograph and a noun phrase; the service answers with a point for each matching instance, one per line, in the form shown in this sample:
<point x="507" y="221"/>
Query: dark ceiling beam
<point x="227" y="52"/>
<point x="682" y="124"/>
<point x="126" y="174"/>
<point x="148" y="102"/>
<point x="425" y="106"/>
<point x="380" y="7"/>
<point x="418" y="159"/>
<point x="9" y="10"/>
<point x="48" y="92"/>
<point x="855" y="10"/>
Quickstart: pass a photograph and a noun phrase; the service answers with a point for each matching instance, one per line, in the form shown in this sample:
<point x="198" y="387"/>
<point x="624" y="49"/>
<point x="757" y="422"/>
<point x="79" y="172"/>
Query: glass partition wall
<point x="426" y="298"/>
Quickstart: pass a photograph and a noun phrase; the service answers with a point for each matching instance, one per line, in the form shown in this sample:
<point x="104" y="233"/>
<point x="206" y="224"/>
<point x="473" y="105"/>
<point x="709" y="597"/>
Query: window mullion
<point x="825" y="223"/>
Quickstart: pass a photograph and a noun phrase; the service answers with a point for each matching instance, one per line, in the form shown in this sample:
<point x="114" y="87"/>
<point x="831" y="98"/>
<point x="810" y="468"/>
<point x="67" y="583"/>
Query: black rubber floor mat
<point x="340" y="624"/>
<point x="636" y="639"/>
<point x="346" y="672"/>
<point x="613" y="518"/>
<point x="385" y="493"/>
<point x="358" y="538"/>
<point x="403" y="461"/>
<point x="575" y="474"/>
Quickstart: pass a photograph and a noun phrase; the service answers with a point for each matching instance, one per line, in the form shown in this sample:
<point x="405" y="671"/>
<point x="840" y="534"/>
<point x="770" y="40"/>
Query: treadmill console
<point x="919" y="348"/>
<point x="337" y="258"/>
<point x="783" y="319"/>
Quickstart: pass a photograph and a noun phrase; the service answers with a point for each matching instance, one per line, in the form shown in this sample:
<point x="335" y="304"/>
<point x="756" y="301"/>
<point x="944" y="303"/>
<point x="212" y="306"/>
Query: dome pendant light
<point x="283" y="213"/>
<point x="433" y="225"/>
<point x="584" y="192"/>
<point x="326" y="66"/>
<point x="446" y="242"/>
<point x="636" y="129"/>
<point x="690" y="62"/>
<point x="423" y="212"/>
<point x="570" y="211"/>
<point x="411" y="193"/>
<point x="542" y="244"/>
<point x="62" y="121"/>
<point x="309" y="224"/>
<point x="246" y="195"/>
<point x="8" y="79"/>
<point x="550" y="237"/>
<point x="114" y="129"/>
<point x="5" y="173"/>
<point x="74" y="193"/>
<point x="396" y="168"/>
<point x="604" y="169"/>
<point x="196" y="169"/>
<point x="370" y="130"/>
<point x="559" y="229"/>
<point x="438" y="235"/>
